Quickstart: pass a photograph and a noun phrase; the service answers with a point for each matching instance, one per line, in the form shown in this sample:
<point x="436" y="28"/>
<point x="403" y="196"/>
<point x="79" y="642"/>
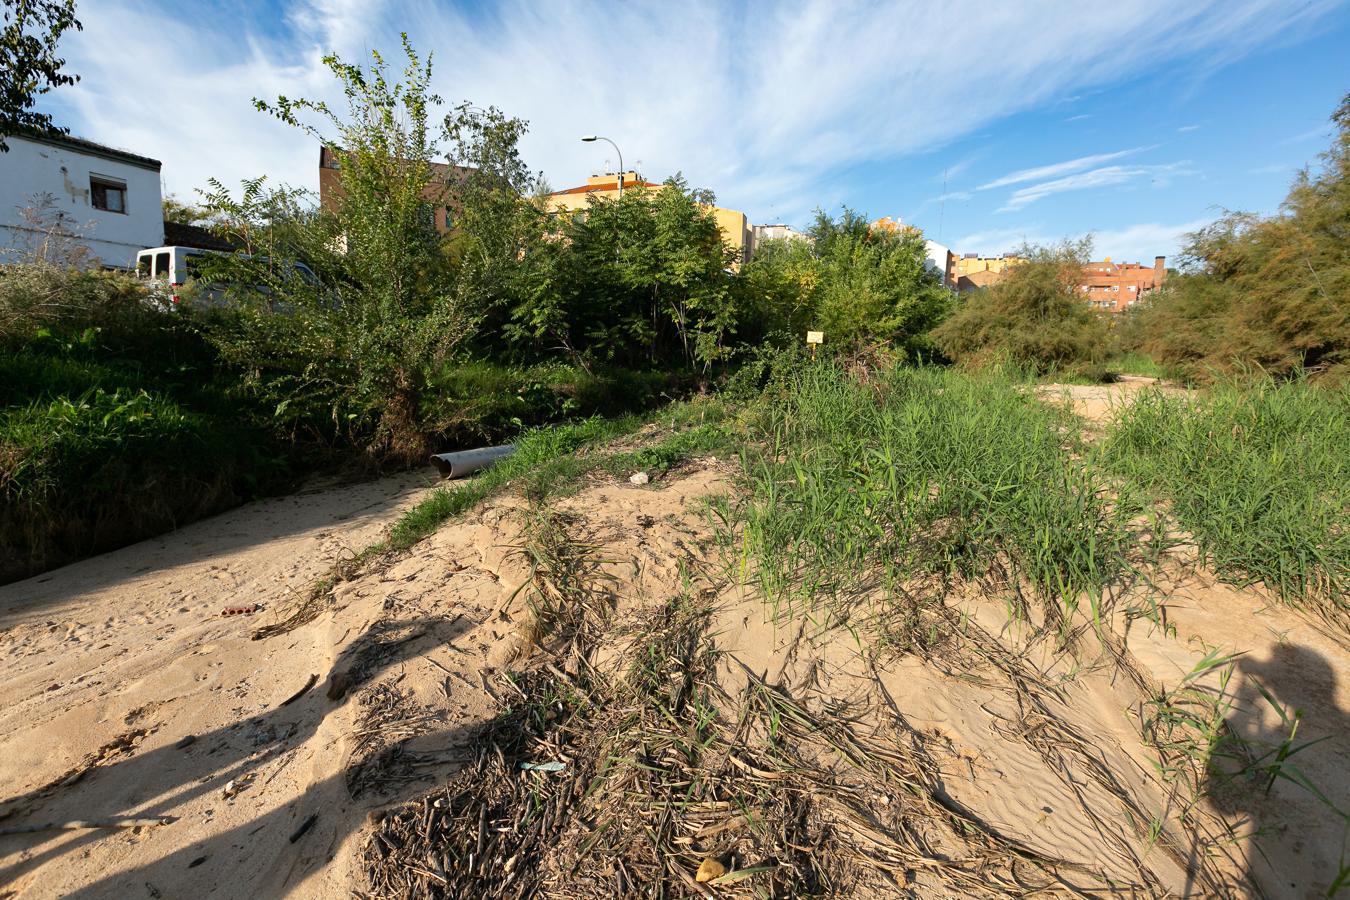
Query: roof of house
<point x="330" y="158"/>
<point x="83" y="146"/>
<point x="178" y="234"/>
<point x="591" y="188"/>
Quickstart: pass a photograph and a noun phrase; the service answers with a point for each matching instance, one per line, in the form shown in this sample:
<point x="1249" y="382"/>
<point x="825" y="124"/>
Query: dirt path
<point x="106" y="664"/>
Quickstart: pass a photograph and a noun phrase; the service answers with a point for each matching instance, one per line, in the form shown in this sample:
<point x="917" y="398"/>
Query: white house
<point x="941" y="263"/>
<point x="104" y="200"/>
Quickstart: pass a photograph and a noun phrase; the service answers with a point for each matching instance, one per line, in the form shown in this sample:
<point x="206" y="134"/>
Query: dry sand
<point x="109" y="664"/>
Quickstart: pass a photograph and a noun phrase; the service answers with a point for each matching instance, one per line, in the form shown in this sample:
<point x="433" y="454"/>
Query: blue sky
<point x="1135" y="120"/>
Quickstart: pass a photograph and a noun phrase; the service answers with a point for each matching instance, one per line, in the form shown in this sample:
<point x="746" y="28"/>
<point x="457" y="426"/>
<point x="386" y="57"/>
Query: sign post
<point x="815" y="339"/>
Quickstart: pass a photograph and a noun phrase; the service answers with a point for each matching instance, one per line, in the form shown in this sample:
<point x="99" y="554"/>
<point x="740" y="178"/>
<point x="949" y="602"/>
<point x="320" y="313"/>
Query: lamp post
<point x="591" y="138"/>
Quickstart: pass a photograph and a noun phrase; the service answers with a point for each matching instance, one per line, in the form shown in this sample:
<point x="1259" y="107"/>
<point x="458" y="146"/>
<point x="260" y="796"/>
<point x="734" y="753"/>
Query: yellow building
<point x="973" y="262"/>
<point x="735" y="227"/>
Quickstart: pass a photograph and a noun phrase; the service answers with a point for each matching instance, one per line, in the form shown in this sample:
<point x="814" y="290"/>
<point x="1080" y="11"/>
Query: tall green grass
<point x="913" y="480"/>
<point x="1259" y="473"/>
<point x="87" y="473"/>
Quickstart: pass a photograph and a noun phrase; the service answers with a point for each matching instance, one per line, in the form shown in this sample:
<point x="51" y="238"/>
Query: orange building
<point x="1114" y="287"/>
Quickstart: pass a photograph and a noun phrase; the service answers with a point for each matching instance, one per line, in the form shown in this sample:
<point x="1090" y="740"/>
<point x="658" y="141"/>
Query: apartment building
<point x="1114" y="287"/>
<point x="332" y="193"/>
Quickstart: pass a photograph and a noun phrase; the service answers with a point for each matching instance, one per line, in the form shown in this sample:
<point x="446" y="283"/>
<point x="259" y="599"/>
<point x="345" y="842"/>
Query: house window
<point x="449" y="218"/>
<point x="108" y="195"/>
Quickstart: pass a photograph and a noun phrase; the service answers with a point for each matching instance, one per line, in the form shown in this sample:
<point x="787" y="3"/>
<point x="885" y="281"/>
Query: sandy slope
<point x="128" y="651"/>
<point x="109" y="663"/>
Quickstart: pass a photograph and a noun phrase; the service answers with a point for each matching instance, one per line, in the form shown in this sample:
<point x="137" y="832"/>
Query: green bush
<point x="1259" y="474"/>
<point x="480" y="400"/>
<point x="84" y="474"/>
<point x="1034" y="321"/>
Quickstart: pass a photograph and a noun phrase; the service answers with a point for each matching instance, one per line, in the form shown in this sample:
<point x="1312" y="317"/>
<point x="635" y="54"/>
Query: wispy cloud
<point x="1105" y="176"/>
<point x="1272" y="169"/>
<point x="1060" y="168"/>
<point x="1321" y="132"/>
<point x="769" y="109"/>
<point x="1185" y="128"/>
<point x="1140" y="243"/>
<point x="1079" y="118"/>
<point x="994" y="241"/>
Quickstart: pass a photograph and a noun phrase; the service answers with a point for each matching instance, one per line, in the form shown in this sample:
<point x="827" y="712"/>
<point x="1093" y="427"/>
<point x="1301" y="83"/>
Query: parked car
<point x="171" y="268"/>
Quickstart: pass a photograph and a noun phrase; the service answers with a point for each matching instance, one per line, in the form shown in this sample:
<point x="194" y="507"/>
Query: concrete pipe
<point x="466" y="462"/>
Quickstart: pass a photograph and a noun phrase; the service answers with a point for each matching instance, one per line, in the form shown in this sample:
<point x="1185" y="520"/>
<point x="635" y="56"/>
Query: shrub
<point x="39" y="297"/>
<point x="84" y="474"/>
<point x="1035" y="320"/>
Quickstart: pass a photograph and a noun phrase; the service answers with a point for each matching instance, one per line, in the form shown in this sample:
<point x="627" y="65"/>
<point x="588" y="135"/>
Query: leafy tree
<point x="1035" y="319"/>
<point x="638" y="280"/>
<point x="29" y="62"/>
<point x="361" y="347"/>
<point x="863" y="286"/>
<point x="780" y="286"/>
<point x="875" y="285"/>
<point x="1266" y="293"/>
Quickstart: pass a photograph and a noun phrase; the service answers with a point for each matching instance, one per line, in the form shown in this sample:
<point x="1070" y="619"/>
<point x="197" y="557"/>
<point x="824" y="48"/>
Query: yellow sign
<point x="815" y="337"/>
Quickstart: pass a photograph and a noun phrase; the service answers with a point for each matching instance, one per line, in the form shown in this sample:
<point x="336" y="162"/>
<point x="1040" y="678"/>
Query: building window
<point x="449" y="218"/>
<point x="108" y="195"/>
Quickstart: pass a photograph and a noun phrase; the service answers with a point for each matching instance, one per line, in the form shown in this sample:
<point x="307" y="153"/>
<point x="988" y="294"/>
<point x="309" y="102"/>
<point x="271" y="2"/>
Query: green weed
<point x="1260" y="476"/>
<point x="912" y="479"/>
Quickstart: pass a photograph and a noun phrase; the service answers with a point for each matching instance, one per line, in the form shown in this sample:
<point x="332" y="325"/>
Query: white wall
<point x="32" y="168"/>
<point x="937" y="260"/>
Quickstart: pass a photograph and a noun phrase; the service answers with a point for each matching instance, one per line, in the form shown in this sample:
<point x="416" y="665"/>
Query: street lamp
<point x="591" y="138"/>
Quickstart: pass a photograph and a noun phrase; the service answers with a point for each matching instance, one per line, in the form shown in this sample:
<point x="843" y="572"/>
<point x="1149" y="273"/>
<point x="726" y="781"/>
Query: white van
<point x="171" y="267"/>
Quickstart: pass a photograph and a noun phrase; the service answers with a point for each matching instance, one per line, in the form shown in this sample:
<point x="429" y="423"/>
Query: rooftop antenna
<point x="942" y="210"/>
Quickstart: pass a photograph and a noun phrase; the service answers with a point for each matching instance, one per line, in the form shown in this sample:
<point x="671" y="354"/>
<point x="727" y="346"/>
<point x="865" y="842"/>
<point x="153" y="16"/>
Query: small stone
<point x="639" y="478"/>
<point x="708" y="870"/>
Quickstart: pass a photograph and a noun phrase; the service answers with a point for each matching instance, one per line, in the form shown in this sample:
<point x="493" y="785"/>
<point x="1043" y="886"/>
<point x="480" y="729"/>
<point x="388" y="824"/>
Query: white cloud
<point x="1134" y="243"/>
<point x="1140" y="243"/>
<point x="768" y="105"/>
<point x="1060" y="168"/>
<point x="1105" y="176"/>
<point x="1185" y="128"/>
<point x="995" y="241"/>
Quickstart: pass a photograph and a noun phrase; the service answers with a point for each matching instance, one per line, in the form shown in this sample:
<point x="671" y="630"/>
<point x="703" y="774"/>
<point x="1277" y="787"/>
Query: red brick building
<point x="1113" y="287"/>
<point x="331" y="192"/>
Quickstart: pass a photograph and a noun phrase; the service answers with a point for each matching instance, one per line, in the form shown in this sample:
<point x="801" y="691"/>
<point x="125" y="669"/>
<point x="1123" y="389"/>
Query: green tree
<point x="1270" y="293"/>
<point x="32" y="29"/>
<point x="780" y="288"/>
<point x="876" y="287"/>
<point x="641" y="281"/>
<point x="1035" y="319"/>
<point x="863" y="286"/>
<point x="362" y="346"/>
